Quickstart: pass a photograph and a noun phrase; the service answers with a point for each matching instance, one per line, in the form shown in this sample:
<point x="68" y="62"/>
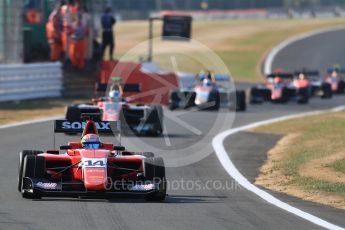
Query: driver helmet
<point x="301" y="76"/>
<point x="114" y="95"/>
<point x="90" y="141"/>
<point x="207" y="82"/>
<point x="334" y="73"/>
<point x="278" y="80"/>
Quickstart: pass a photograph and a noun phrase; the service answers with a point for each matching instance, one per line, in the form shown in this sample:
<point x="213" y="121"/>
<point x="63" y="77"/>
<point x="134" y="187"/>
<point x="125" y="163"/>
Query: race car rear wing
<point x="337" y="69"/>
<point x="128" y="88"/>
<point x="309" y="74"/>
<point x="76" y="127"/>
<point x="217" y="77"/>
<point x="286" y="76"/>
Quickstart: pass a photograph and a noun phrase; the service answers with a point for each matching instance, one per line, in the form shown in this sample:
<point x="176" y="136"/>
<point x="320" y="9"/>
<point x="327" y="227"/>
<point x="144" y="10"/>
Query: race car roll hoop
<point x="101" y="170"/>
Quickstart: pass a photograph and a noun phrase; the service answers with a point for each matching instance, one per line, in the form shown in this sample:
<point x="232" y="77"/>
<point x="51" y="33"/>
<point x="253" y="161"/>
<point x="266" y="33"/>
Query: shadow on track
<point x="173" y="199"/>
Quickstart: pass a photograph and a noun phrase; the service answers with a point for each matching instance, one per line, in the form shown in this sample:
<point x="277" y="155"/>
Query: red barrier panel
<point x="155" y="87"/>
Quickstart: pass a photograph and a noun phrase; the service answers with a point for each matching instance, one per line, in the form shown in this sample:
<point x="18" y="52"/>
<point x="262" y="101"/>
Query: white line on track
<point x="271" y="56"/>
<point x="230" y="168"/>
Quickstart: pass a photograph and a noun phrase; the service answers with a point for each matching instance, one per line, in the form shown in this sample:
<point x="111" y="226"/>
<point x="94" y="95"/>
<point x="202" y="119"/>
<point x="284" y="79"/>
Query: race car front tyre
<point x="22" y="155"/>
<point x="214" y="99"/>
<point x="154" y="171"/>
<point x="190" y="99"/>
<point x="326" y="89"/>
<point x="174" y="100"/>
<point x="33" y="167"/>
<point x="156" y="119"/>
<point x="259" y="95"/>
<point x="341" y="87"/>
<point x="303" y="94"/>
<point x="72" y="113"/>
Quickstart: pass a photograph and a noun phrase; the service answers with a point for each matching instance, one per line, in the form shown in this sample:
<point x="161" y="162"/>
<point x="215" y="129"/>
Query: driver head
<point x="115" y="95"/>
<point x="278" y="79"/>
<point x="301" y="76"/>
<point x="90" y="141"/>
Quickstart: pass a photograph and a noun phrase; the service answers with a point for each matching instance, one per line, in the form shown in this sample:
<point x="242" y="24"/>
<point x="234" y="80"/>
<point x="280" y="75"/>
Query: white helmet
<point x="207" y="82"/>
<point x="115" y="95"/>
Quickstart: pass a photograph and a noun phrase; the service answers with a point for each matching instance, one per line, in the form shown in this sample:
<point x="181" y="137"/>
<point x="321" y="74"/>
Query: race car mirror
<point x="177" y="27"/>
<point x="103" y="127"/>
<point x="119" y="148"/>
<point x="65" y="147"/>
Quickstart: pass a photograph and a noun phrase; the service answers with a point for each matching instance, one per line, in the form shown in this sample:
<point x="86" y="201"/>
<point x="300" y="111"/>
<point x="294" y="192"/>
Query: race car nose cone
<point x="95" y="178"/>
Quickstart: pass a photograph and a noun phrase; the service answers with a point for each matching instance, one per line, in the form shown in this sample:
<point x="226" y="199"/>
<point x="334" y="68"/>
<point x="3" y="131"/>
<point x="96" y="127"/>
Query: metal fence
<point x="30" y="81"/>
<point x="11" y="36"/>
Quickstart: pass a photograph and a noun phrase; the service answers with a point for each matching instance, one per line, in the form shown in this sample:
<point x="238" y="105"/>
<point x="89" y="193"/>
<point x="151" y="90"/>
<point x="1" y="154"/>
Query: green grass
<point x="338" y="166"/>
<point x="242" y="64"/>
<point x="319" y="185"/>
<point x="320" y="136"/>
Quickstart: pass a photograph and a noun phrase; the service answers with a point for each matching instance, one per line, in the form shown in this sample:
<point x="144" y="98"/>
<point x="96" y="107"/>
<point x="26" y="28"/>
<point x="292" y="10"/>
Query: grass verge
<point x="311" y="161"/>
<point x="11" y="112"/>
<point x="338" y="166"/>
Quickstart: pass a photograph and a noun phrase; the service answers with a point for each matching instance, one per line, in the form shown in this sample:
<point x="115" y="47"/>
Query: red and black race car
<point x="90" y="168"/>
<point x="135" y="118"/>
<point x="318" y="87"/>
<point x="280" y="87"/>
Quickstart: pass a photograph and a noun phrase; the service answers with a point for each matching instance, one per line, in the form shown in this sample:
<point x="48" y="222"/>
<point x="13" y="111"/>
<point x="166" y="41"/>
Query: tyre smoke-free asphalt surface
<point x="318" y="52"/>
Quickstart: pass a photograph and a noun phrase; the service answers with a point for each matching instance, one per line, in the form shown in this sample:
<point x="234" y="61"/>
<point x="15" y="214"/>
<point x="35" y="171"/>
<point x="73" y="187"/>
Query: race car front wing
<point x="46" y="188"/>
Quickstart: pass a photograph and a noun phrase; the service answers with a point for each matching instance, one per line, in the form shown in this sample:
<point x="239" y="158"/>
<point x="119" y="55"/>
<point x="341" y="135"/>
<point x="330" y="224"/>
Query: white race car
<point x="206" y="94"/>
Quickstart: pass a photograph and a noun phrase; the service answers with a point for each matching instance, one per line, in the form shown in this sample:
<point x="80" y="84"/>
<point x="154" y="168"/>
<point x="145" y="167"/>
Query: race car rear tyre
<point x="326" y="90"/>
<point x="154" y="171"/>
<point x="214" y="98"/>
<point x="33" y="167"/>
<point x="22" y="155"/>
<point x="240" y="101"/>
